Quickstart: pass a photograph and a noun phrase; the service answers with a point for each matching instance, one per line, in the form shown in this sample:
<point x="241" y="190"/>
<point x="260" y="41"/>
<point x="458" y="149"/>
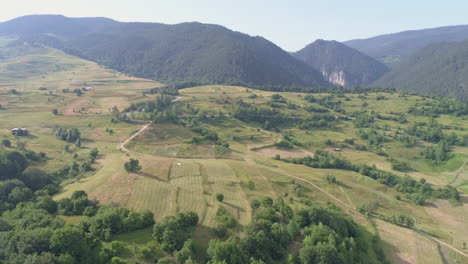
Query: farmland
<point x="179" y="175"/>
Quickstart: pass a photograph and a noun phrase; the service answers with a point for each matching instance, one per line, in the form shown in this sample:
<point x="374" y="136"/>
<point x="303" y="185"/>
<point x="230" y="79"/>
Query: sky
<point x="291" y="24"/>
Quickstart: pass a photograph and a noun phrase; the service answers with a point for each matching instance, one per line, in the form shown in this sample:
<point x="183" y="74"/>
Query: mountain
<point x="391" y="48"/>
<point x="56" y="25"/>
<point x="340" y="64"/>
<point x="439" y="69"/>
<point x="184" y="52"/>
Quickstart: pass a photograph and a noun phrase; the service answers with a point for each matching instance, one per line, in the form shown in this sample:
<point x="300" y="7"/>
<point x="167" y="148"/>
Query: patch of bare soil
<point x="75" y="107"/>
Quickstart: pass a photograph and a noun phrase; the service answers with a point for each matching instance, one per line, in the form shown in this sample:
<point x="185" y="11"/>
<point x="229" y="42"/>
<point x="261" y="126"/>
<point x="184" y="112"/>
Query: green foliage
<point x="330" y="178"/>
<point x="173" y="231"/>
<point x="35" y="178"/>
<point x="12" y="164"/>
<point x="224" y="218"/>
<point x="70" y="135"/>
<point x="220" y="197"/>
<point x="133" y="165"/>
<point x="437" y="69"/>
<point x="358" y="69"/>
<point x="284" y="144"/>
<point x="416" y="191"/>
<point x="437" y="153"/>
<point x="6" y="143"/>
<point x="402" y="220"/>
<point x="363" y="120"/>
<point x="109" y="221"/>
<point x="268" y="238"/>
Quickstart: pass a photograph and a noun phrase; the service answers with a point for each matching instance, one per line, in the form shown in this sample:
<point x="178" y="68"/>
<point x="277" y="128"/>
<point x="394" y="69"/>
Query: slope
<point x="439" y="69"/>
<point x="391" y="48"/>
<point x="340" y="64"/>
<point x="187" y="52"/>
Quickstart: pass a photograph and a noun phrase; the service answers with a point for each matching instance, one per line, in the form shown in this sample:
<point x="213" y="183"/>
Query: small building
<point x="19" y="131"/>
<point x="89" y="88"/>
<point x="337" y="149"/>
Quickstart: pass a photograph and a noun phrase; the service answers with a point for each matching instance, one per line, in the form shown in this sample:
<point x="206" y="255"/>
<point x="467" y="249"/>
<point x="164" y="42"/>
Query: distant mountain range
<point x="340" y="64"/>
<point x="192" y="52"/>
<point x="439" y="69"/>
<point x="212" y="54"/>
<point x="391" y="48"/>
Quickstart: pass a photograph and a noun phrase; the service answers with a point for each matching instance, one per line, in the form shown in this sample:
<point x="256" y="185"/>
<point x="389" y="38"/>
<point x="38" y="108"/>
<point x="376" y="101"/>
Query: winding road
<point x="333" y="197"/>
<point x="122" y="147"/>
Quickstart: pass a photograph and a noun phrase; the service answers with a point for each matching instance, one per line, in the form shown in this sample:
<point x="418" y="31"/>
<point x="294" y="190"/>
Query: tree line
<point x="416" y="191"/>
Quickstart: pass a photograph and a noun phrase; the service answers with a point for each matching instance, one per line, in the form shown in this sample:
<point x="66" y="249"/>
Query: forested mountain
<point x="184" y="52"/>
<point x="391" y="48"/>
<point x="340" y="64"/>
<point x="56" y="25"/>
<point x="439" y="69"/>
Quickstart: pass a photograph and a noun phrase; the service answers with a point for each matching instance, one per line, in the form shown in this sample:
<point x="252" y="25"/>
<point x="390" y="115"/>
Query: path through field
<point x="460" y="174"/>
<point x="122" y="145"/>
<point x="353" y="208"/>
<point x="333" y="197"/>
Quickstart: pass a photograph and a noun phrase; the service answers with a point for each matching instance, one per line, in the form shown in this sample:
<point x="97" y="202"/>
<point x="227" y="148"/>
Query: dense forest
<point x="391" y="48"/>
<point x="439" y="69"/>
<point x="32" y="229"/>
<point x="341" y="64"/>
<point x="192" y="52"/>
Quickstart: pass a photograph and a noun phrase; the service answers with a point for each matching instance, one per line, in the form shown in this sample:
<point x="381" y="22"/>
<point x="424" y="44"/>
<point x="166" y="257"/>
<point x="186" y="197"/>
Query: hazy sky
<point x="291" y="24"/>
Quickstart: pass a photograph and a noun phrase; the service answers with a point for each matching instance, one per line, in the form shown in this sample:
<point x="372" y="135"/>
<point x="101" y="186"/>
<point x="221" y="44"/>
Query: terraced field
<point x="177" y="175"/>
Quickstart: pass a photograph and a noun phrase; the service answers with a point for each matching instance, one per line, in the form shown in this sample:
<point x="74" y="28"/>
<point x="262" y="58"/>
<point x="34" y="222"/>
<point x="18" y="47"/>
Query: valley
<point x="245" y="144"/>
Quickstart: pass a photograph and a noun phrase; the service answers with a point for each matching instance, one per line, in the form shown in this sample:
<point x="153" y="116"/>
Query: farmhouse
<point x="19" y="131"/>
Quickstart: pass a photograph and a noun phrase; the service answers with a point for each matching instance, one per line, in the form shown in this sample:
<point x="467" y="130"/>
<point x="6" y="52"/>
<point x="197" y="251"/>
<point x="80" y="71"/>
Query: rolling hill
<point x="374" y="177"/>
<point x="391" y="48"/>
<point x="187" y="52"/>
<point x="439" y="69"/>
<point x="340" y="64"/>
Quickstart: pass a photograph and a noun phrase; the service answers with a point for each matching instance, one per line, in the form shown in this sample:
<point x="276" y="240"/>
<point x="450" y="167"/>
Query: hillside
<point x="57" y="25"/>
<point x="391" y="48"/>
<point x="187" y="52"/>
<point x="340" y="64"/>
<point x="358" y="177"/>
<point x="439" y="69"/>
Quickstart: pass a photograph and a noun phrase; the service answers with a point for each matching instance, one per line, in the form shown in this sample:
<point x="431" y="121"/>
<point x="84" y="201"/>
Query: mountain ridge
<point x="438" y="69"/>
<point x="340" y="64"/>
<point x="185" y="52"/>
<point x="391" y="48"/>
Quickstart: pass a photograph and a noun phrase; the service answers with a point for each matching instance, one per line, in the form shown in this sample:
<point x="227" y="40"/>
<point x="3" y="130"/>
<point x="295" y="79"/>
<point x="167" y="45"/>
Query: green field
<point x="178" y="175"/>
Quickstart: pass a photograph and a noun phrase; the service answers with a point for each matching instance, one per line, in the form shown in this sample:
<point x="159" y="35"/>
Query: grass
<point x="156" y="196"/>
<point x="165" y="187"/>
<point x="406" y="246"/>
<point x="140" y="237"/>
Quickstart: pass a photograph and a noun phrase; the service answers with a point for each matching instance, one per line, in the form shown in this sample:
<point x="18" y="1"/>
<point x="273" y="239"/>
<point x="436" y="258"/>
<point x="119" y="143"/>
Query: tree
<point x="55" y="111"/>
<point x="255" y="204"/>
<point x="133" y="165"/>
<point x="35" y="178"/>
<point x="227" y="251"/>
<point x="71" y="240"/>
<point x="220" y="197"/>
<point x="6" y="143"/>
<point x="330" y="178"/>
<point x="173" y="231"/>
<point x="116" y="115"/>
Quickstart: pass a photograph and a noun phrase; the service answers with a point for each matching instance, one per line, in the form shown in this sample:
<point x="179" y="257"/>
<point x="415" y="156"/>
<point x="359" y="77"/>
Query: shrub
<point x="220" y="197"/>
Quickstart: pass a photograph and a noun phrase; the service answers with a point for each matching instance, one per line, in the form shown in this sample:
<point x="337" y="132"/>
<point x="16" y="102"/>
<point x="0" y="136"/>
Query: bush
<point x="284" y="144"/>
<point x="220" y="197"/>
<point x="6" y="143"/>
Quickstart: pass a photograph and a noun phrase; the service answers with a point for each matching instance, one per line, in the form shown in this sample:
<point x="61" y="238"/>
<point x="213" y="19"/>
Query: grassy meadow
<point x="178" y="175"/>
